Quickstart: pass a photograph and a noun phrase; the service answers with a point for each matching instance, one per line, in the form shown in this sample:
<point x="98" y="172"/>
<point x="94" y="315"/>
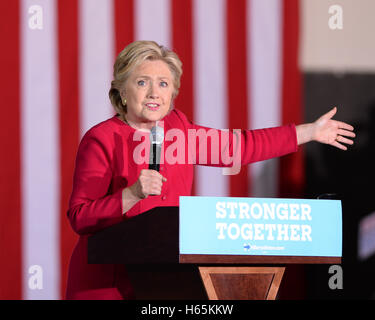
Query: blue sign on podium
<point x="260" y="226"/>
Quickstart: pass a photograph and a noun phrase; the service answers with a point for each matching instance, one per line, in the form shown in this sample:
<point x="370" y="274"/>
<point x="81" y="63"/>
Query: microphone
<point x="156" y="139"/>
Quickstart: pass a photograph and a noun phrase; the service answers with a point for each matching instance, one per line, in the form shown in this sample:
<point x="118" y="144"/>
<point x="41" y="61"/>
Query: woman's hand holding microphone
<point x="150" y="182"/>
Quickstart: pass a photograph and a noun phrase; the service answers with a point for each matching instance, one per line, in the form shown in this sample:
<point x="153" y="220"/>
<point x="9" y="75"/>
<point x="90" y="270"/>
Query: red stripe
<point x="237" y="82"/>
<point x="182" y="40"/>
<point x="10" y="163"/>
<point x="124" y="24"/>
<point x="68" y="50"/>
<point x="292" y="166"/>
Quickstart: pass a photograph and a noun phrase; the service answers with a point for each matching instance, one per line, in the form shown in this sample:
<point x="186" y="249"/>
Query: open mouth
<point x="153" y="106"/>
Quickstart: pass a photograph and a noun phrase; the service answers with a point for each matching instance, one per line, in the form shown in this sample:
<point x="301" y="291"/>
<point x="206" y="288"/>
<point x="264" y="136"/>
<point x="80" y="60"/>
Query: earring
<point x="124" y="102"/>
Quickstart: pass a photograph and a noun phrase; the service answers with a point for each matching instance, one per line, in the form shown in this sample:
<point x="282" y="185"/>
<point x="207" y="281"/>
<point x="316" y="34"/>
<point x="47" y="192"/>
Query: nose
<point x="153" y="91"/>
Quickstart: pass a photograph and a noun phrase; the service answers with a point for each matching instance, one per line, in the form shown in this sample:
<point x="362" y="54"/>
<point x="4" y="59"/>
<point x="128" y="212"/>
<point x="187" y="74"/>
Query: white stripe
<point x="153" y="21"/>
<point x="96" y="61"/>
<point x="264" y="39"/>
<point x="40" y="152"/>
<point x="210" y="86"/>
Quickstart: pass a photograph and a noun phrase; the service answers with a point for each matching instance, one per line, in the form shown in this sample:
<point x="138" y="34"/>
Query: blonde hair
<point x="133" y="55"/>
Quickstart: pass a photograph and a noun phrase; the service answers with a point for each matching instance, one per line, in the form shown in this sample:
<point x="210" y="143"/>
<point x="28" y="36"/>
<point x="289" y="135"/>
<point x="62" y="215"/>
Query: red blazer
<point x="110" y="158"/>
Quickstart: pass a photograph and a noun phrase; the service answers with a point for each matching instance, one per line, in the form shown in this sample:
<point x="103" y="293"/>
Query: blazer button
<point x="164" y="197"/>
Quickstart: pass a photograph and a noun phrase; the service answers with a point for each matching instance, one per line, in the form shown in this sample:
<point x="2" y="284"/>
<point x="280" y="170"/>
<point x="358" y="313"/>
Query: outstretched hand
<point x="328" y="131"/>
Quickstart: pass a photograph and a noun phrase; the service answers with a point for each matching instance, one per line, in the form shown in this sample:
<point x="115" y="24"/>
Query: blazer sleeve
<point x="92" y="206"/>
<point x="213" y="147"/>
<point x="263" y="144"/>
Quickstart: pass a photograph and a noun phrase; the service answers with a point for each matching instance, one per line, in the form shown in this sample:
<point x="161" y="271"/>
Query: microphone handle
<point x="154" y="165"/>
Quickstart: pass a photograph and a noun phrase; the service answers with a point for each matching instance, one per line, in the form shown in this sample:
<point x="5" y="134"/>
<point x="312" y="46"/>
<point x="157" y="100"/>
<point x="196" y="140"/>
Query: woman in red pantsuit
<point x="112" y="181"/>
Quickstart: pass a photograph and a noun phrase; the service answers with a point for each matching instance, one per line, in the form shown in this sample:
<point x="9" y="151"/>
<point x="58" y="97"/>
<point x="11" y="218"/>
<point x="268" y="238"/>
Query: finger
<point x="156" y="192"/>
<point x="155" y="189"/>
<point x="158" y="175"/>
<point x="151" y="172"/>
<point x="344" y="140"/>
<point x="152" y="190"/>
<point x="346" y="133"/>
<point x="346" y="126"/>
<point x="157" y="183"/>
<point x="339" y="145"/>
<point x="330" y="113"/>
<point x="146" y="173"/>
<point x="154" y="173"/>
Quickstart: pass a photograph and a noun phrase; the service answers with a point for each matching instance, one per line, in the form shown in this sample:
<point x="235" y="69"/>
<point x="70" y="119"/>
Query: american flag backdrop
<point x="240" y="62"/>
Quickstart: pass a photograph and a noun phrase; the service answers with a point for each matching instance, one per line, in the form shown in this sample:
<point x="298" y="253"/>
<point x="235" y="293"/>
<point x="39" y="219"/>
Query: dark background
<point x="348" y="174"/>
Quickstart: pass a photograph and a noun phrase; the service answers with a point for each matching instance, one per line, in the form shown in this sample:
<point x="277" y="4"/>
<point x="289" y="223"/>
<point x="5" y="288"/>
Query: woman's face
<point x="148" y="92"/>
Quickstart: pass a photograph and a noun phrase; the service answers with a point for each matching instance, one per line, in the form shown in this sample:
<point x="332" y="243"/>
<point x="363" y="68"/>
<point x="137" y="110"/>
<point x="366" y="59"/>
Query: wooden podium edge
<point x="250" y="259"/>
<point x="275" y="285"/>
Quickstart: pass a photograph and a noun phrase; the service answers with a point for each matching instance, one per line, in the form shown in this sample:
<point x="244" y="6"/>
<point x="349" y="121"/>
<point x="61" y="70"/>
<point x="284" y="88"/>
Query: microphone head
<point x="157" y="135"/>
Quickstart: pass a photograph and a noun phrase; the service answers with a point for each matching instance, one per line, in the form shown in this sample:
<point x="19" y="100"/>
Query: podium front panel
<point x="250" y="230"/>
<point x="150" y="237"/>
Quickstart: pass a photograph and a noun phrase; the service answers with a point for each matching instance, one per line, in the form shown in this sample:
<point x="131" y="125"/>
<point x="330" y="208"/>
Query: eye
<point x="163" y="84"/>
<point x="141" y="83"/>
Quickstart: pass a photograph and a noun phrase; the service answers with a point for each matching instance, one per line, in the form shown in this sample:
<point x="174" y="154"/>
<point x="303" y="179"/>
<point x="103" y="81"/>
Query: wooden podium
<point x="148" y="245"/>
